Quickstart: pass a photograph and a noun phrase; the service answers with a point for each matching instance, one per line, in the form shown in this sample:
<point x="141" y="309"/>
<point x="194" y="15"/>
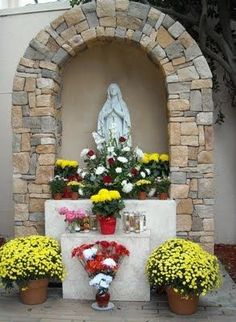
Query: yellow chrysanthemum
<point x="164" y="157"/>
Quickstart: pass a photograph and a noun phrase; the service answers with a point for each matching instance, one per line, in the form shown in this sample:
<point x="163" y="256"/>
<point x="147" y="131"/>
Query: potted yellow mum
<point x="30" y="262"/>
<point x="186" y="270"/>
<point x="107" y="205"/>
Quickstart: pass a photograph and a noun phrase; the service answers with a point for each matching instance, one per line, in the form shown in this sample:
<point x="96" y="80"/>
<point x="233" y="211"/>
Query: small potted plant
<point x="101" y="260"/>
<point x="185" y="270"/>
<point x="143" y="186"/>
<point x="107" y="205"/>
<point x="74" y="186"/>
<point x="30" y="262"/>
<point x="57" y="185"/>
<point x="163" y="186"/>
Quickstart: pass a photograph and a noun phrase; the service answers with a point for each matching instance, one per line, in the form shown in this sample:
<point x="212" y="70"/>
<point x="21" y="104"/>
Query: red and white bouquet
<point x="101" y="261"/>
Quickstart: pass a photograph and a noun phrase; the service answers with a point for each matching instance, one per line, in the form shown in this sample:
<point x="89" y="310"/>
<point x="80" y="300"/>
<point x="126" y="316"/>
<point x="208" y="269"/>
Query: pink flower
<point x="70" y="216"/>
<point x="63" y="210"/>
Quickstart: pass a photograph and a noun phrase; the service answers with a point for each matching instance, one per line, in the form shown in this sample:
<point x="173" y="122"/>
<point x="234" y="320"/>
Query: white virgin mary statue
<point x="114" y="118"/>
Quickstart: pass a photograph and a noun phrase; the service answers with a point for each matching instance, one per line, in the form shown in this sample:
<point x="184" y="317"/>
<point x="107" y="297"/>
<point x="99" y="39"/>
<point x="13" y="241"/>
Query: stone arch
<point x="36" y="107"/>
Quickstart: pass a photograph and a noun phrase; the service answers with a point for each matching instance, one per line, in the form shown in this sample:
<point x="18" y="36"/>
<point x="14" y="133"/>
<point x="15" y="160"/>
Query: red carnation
<point x="134" y="172"/>
<point x="110" y="161"/>
<point x="107" y="179"/>
<point x="90" y="153"/>
<point x="122" y="139"/>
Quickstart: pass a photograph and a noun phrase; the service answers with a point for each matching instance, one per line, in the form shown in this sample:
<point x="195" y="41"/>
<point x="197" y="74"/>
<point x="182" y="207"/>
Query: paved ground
<point x="217" y="307"/>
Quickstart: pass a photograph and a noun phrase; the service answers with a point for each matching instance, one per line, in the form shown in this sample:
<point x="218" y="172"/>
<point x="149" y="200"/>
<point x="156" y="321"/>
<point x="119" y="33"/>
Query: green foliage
<point x="163" y="185"/>
<point x="57" y="184"/>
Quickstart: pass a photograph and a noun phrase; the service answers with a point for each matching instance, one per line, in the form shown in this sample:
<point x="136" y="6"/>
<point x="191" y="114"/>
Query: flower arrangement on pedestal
<point x="163" y="186"/>
<point x="57" y="186"/>
<point x="143" y="186"/>
<point x="186" y="270"/>
<point x="101" y="261"/>
<point x="75" y="219"/>
<point x="30" y="260"/>
<point x="74" y="186"/>
<point x="107" y="205"/>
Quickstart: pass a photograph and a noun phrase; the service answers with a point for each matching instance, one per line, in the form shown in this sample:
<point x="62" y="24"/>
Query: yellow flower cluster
<point x="66" y="163"/>
<point x="28" y="258"/>
<point x="142" y="182"/>
<point x="73" y="183"/>
<point x="148" y="157"/>
<point x="185" y="266"/>
<point x="105" y="195"/>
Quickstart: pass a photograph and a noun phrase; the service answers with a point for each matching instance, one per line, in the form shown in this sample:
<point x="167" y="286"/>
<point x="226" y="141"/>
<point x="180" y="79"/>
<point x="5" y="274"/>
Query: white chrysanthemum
<point x="122" y="159"/>
<point x="84" y="153"/>
<point x="128" y="187"/>
<point x="110" y="149"/>
<point x="142" y="174"/>
<point x="118" y="170"/>
<point x="126" y="149"/>
<point x="81" y="193"/>
<point x="109" y="262"/>
<point x="93" y="157"/>
<point x="139" y="153"/>
<point x="101" y="169"/>
<point x="89" y="253"/>
<point x="123" y="182"/>
<point x="83" y="174"/>
<point x="148" y="171"/>
<point x="101" y="281"/>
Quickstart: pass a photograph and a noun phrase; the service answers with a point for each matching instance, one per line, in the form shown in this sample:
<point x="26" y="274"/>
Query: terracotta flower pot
<point x="163" y="196"/>
<point x="35" y="292"/>
<point x="142" y="195"/>
<point x="57" y="196"/>
<point x="74" y="195"/>
<point x="67" y="193"/>
<point x="102" y="299"/>
<point x="107" y="225"/>
<point x="180" y="304"/>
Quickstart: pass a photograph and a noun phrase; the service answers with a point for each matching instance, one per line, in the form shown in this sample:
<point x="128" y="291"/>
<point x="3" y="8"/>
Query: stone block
<point x="207" y="100"/>
<point x="172" y="79"/>
<point x="68" y="33"/>
<point x="147" y="29"/>
<point x="25" y="231"/>
<point x="201" y="83"/>
<point x="206" y="188"/>
<point x="18" y="83"/>
<point x="178" y="61"/>
<point x="209" y="137"/>
<point x="19" y="98"/>
<point x="48" y="124"/>
<point x="108" y="22"/>
<point x="45" y="83"/>
<point x="34" y="188"/>
<point x="176" y="29"/>
<point x="179" y="156"/>
<point x="164" y="39"/>
<point x="192" y="153"/>
<point x="195" y="101"/>
<point x="204" y="211"/>
<point x="92" y="19"/>
<point x="189" y="140"/>
<point x="189" y="128"/>
<point x="168" y="22"/>
<point x="168" y="69"/>
<point x="48" y="65"/>
<point x="44" y="174"/>
<point x="159" y="21"/>
<point x="178" y="177"/>
<point x="21" y="162"/>
<point x="21" y="212"/>
<point x="44" y="100"/>
<point x="184" y="223"/>
<point x="178" y="104"/>
<point x="47" y="149"/>
<point x="186" y="39"/>
<point x="19" y="185"/>
<point x="122" y="5"/>
<point x="185" y="206"/>
<point x="106" y="8"/>
<point x="202" y="67"/>
<point x="16" y="142"/>
<point x="187" y="73"/>
<point x="33" y="54"/>
<point x="57" y="22"/>
<point x="205" y="118"/>
<point x="208" y="224"/>
<point x="82" y="26"/>
<point x="25" y="142"/>
<point x="138" y="10"/>
<point x="74" y="16"/>
<point x="177" y="88"/>
<point x="16" y="116"/>
<point x="60" y="57"/>
<point x="194" y="185"/>
<point x="39" y="47"/>
<point x="30" y="84"/>
<point x="205" y="157"/>
<point x="42" y="37"/>
<point x="192" y="52"/>
<point x="27" y="62"/>
<point x="174" y="133"/>
<point x="89" y="34"/>
<point x="179" y="191"/>
<point x="36" y="205"/>
<point x="174" y="50"/>
<point x="120" y="32"/>
<point x="89" y="7"/>
<point x="197" y="224"/>
<point x="46" y="159"/>
<point x="61" y="28"/>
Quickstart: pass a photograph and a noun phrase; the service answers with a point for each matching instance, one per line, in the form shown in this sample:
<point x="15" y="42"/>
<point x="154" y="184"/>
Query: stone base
<point x="130" y="282"/>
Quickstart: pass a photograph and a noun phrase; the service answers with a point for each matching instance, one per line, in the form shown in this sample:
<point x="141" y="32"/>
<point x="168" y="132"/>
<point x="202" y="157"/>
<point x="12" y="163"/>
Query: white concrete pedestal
<point x="130" y="282"/>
